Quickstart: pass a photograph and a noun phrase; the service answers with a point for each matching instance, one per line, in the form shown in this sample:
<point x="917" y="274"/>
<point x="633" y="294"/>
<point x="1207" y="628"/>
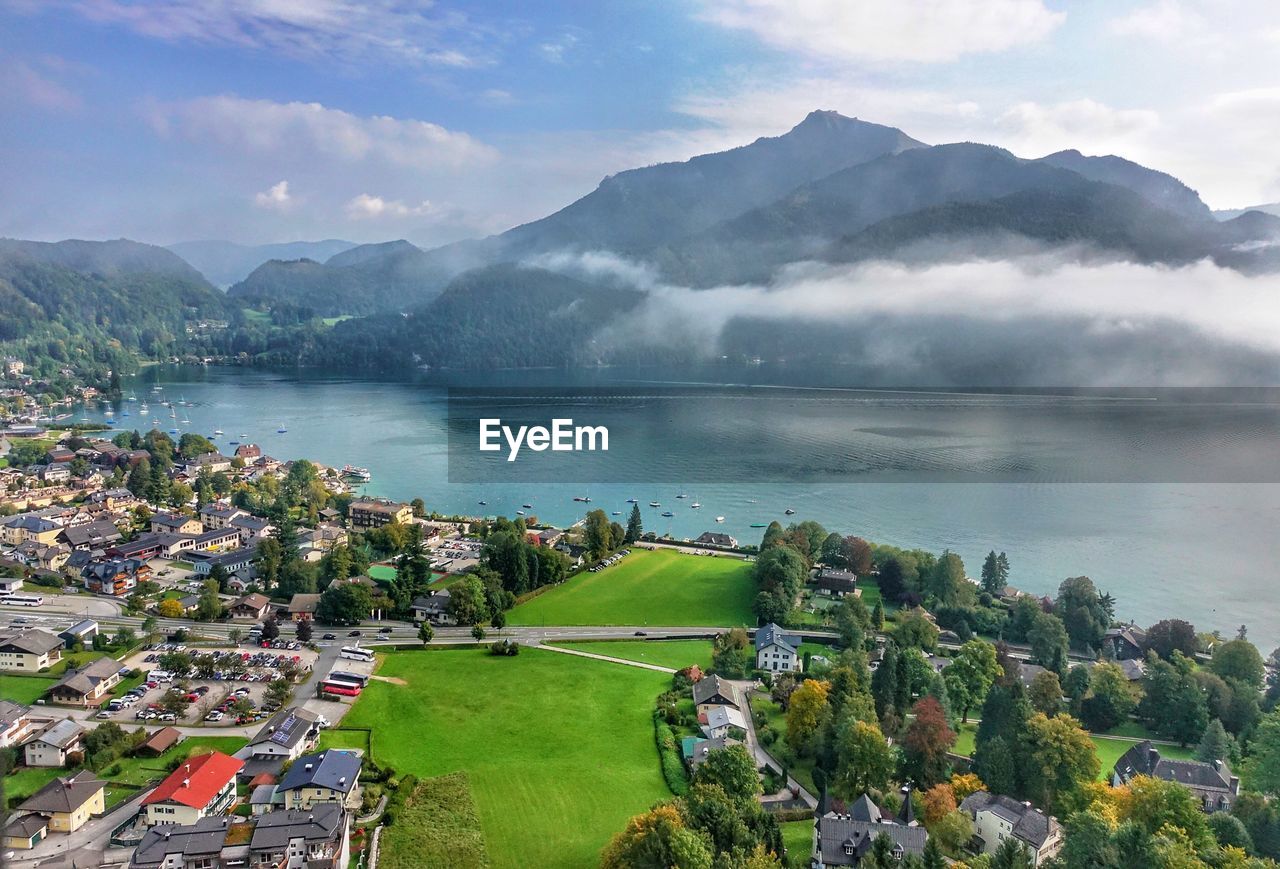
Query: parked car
<point x="329" y="637"/>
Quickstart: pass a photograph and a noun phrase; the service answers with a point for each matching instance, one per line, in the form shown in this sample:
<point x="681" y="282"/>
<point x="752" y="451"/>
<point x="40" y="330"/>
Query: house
<point x="252" y="528"/>
<point x="775" y="651"/>
<point x="836" y="583"/>
<point x="695" y="749"/>
<point x="1134" y="669"/>
<point x="302" y="607"/>
<point x="203" y="563"/>
<point x="54" y="473"/>
<point x="97" y="534"/>
<point x="214" y="516"/>
<point x="714" y="691"/>
<point x="11" y="584"/>
<point x="175" y="523"/>
<point x="997" y="818"/>
<point x="845" y="839"/>
<point x="24" y="832"/>
<point x="51" y="746"/>
<point x="1212" y="783"/>
<point x="721" y="721"/>
<point x="81" y="632"/>
<point x="1124" y="642"/>
<point x="251" y="606"/>
<point x="215" y="462"/>
<point x="328" y="777"/>
<point x="59" y="454"/>
<point x="89" y="684"/>
<point x="287" y="735"/>
<point x="115" y="576"/>
<point x="159" y="742"/>
<point x="144" y="548"/>
<point x="34" y="554"/>
<point x="316" y="839"/>
<point x="201" y="786"/>
<point x="365" y="514"/>
<point x="67" y="802"/>
<point x="15" y="723"/>
<point x="29" y="650"/>
<point x="715" y="538"/>
<point x="433" y="608"/>
<point x="225" y="538"/>
<point x="263" y="799"/>
<point x="28" y="526"/>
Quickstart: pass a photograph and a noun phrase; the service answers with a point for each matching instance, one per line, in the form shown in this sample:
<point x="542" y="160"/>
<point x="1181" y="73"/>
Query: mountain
<point x="1158" y="188"/>
<point x="107" y="258"/>
<point x="642" y="208"/>
<point x="224" y="262"/>
<point x="630" y="212"/>
<point x="92" y="306"/>
<point x="1230" y="213"/>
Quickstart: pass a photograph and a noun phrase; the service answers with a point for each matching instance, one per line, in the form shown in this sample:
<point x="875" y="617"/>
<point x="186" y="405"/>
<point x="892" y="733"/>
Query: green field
<point x="676" y="654"/>
<point x="797" y="838"/>
<point x="559" y="749"/>
<point x="1108" y="749"/>
<point x="386" y="573"/>
<point x="25" y="689"/>
<point x="25" y="781"/>
<point x="659" y="587"/>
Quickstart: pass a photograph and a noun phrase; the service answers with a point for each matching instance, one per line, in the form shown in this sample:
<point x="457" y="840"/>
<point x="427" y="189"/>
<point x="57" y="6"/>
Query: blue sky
<point x="274" y="120"/>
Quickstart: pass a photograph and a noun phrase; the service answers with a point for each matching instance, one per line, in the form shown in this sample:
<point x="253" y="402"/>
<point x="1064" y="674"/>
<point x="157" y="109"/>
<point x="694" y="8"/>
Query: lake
<point x="1167" y="499"/>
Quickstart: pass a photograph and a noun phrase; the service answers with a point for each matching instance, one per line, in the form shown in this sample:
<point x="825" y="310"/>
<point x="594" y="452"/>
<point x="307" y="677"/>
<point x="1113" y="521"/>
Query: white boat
<point x="719" y="518"/>
<point x="694" y="506"/>
<point x="281" y="430"/>
<point x="133" y="397"/>
<point x="217" y="432"/>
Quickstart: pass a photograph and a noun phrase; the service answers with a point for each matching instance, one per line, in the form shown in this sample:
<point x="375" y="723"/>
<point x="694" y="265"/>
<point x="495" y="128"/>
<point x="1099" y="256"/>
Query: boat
<point x="616" y="513"/>
<point x="719" y="518"/>
<point x="60" y="417"/>
<point x="759" y="524"/>
<point x="173" y="431"/>
<point x="132" y="397"/>
<point x="108" y="413"/>
<point x="582" y="498"/>
<point x="654" y="504"/>
<point x="234" y="443"/>
<point x="281" y="430"/>
<point x="519" y="512"/>
<point x="694" y="506"/>
<point x="155" y="421"/>
<point x="527" y="506"/>
<point x="633" y="500"/>
<point x="484" y="503"/>
<point x="244" y="437"/>
<point x="668" y="513"/>
<point x="218" y="432"/>
<point x="143" y="409"/>
<point x="361" y="474"/>
<point x="124" y="413"/>
<point x="789" y="512"/>
<point x="682" y="495"/>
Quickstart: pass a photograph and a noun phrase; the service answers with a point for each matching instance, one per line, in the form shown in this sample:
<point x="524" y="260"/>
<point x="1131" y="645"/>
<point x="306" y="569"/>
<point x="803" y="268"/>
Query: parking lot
<point x="228" y="686"/>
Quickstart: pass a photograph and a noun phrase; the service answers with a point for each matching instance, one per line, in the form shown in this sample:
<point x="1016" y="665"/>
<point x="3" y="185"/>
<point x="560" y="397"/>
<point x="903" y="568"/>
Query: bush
<point x="673" y="770"/>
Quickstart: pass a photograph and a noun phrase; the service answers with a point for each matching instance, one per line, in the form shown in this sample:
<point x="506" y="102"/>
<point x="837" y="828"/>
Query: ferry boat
<point x="361" y="474"/>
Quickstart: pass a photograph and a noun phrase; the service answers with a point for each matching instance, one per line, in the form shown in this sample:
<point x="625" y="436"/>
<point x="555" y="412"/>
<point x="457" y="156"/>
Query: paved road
<point x="642" y="665"/>
<point x="763" y="758"/>
<point x="78" y="849"/>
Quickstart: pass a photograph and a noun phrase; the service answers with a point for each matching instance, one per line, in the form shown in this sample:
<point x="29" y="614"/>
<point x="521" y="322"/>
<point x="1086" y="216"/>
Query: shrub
<point x="669" y="753"/>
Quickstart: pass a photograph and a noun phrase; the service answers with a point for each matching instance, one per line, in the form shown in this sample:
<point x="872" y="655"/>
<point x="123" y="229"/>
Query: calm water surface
<point x="1150" y="497"/>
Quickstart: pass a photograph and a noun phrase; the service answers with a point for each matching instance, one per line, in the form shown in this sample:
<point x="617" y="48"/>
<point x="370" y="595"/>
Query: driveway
<point x="762" y="756"/>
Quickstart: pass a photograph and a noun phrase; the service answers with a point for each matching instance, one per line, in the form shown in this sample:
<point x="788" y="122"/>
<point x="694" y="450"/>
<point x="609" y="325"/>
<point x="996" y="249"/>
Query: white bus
<point x="25" y="600"/>
<point x="355" y="653"/>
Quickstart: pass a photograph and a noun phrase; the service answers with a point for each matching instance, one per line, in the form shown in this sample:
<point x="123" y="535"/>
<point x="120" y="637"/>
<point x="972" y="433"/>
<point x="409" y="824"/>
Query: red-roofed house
<point x="202" y="786"/>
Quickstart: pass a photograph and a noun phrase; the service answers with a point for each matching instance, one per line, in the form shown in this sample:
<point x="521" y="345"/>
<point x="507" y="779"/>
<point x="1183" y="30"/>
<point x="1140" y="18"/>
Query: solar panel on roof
<point x="281" y="736"/>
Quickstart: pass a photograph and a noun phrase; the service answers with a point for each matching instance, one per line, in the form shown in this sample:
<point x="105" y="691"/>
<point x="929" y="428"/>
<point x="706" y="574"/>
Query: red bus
<point x="345" y="689"/>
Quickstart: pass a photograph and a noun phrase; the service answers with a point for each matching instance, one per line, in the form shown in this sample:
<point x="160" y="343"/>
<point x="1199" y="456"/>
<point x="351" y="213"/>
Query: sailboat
<point x="694" y="506"/>
<point x="282" y="429"/>
<point x="132" y="396"/>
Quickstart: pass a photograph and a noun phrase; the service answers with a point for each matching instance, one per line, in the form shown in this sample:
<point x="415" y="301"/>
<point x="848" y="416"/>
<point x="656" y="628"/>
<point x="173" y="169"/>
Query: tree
<point x="635" y="525"/>
<point x="1049" y="642"/>
<point x="915" y="630"/>
<point x="884" y="684"/>
<point x="953" y="831"/>
<point x="1112" y="698"/>
<point x="806" y="714"/>
<point x="467" y="602"/>
<point x="938" y="801"/>
<point x="303" y="631"/>
<point x="734" y="770"/>
<point x="970" y="674"/>
<point x="731" y="654"/>
<point x="1172" y="702"/>
<point x="344" y="603"/>
<point x="169" y="608"/>
<point x="864" y="759"/>
<point x="426" y="633"/>
<point x="1238" y="660"/>
<point x="1045" y="693"/>
<point x="853" y="621"/>
<point x="1264" y="759"/>
<point x="656" y="839"/>
<point x="856" y="553"/>
<point x="1156" y="804"/>
<point x="1216" y="744"/>
<point x="1076" y="687"/>
<point x="1082" y="612"/>
<point x="477" y="633"/>
<point x="1170" y="635"/>
<point x="210" y="605"/>
<point x="598" y="534"/>
<point x="932" y="858"/>
<point x="1061" y="755"/>
<point x="1011" y="854"/>
<point x="270" y="628"/>
<point x="948" y="583"/>
<point x="926" y="743"/>
<point x="1229" y="832"/>
<point x="498" y="620"/>
<point x="992" y="583"/>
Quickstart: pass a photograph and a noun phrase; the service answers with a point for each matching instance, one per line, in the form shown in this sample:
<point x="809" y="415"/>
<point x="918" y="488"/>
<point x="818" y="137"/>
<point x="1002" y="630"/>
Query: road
<point x="78" y="849"/>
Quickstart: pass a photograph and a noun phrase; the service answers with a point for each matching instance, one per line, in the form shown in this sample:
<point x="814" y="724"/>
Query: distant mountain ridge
<point x="224" y="263"/>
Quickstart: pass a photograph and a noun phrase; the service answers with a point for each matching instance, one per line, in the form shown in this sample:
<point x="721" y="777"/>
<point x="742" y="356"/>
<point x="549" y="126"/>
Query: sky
<point x="282" y="120"/>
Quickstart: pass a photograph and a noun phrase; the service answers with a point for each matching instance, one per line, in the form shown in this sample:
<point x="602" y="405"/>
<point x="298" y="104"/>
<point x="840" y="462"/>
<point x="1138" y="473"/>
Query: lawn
<point x="386" y="573"/>
<point x="797" y="838"/>
<point x="27" y="780"/>
<point x="801" y="768"/>
<point x="436" y="827"/>
<point x="676" y="654"/>
<point x="559" y="750"/>
<point x="649" y="587"/>
<point x="25" y="689"/>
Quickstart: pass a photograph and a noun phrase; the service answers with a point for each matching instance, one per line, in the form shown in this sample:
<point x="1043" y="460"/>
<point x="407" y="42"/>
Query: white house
<point x="721" y="721"/>
<point x="997" y="818"/>
<point x="776" y="651"/>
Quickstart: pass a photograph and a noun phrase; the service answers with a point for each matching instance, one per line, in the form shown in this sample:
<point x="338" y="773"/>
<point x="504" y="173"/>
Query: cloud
<point x="346" y="30"/>
<point x="554" y="50"/>
<point x="23" y="82"/>
<point x="1166" y="20"/>
<point x="276" y="198"/>
<point x="1036" y="128"/>
<point x="263" y="126"/>
<point x="925" y="31"/>
<point x="367" y="207"/>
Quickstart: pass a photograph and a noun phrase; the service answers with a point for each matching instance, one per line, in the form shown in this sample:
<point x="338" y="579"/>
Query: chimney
<point x="186" y="782"/>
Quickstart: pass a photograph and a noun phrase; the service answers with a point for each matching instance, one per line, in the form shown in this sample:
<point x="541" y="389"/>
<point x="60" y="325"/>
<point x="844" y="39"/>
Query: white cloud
<point x="927" y="31"/>
<point x="1035" y="129"/>
<point x="23" y="82"/>
<point x="263" y="126"/>
<point x="1165" y="20"/>
<point x="367" y="207"/>
<point x="554" y="50"/>
<point x="276" y="198"/>
<point x="346" y="30"/>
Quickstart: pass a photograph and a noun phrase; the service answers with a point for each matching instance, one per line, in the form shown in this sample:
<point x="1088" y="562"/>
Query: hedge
<point x="669" y="752"/>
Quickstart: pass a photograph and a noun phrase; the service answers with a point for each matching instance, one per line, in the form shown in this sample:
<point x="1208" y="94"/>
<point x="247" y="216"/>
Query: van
<point x="160" y="676"/>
